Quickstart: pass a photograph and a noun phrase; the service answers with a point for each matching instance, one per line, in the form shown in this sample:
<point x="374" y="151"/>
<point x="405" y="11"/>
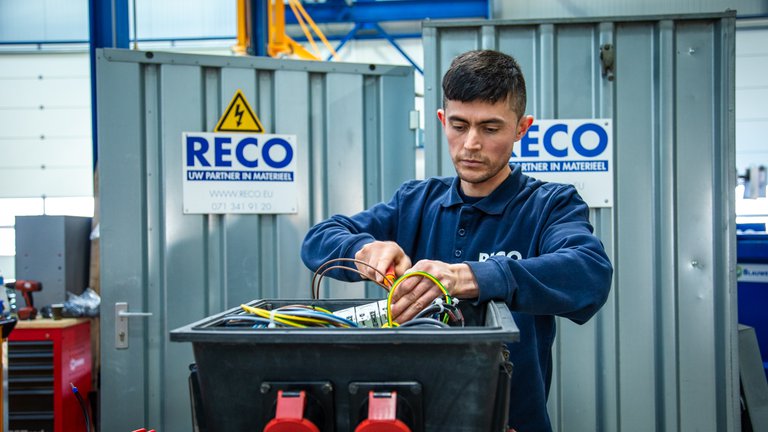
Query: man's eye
<point x="491" y="130"/>
<point x="459" y="127"/>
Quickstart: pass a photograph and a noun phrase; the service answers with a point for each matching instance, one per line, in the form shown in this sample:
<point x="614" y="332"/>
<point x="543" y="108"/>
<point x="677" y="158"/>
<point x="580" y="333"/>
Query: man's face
<point x="480" y="137"/>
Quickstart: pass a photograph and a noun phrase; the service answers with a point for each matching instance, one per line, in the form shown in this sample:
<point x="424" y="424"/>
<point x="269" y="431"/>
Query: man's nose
<point x="473" y="141"/>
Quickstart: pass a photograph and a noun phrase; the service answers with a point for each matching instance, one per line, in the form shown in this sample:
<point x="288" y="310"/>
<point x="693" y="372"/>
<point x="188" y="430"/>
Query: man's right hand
<point x="381" y="256"/>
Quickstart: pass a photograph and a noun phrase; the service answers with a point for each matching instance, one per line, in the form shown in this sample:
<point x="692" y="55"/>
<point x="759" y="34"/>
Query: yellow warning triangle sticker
<point x="239" y="117"/>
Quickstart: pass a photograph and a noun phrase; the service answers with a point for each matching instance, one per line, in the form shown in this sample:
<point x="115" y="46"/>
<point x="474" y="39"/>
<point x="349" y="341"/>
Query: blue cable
<point x="83" y="407"/>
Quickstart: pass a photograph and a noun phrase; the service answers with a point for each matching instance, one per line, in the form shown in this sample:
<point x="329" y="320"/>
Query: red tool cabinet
<point x="44" y="357"/>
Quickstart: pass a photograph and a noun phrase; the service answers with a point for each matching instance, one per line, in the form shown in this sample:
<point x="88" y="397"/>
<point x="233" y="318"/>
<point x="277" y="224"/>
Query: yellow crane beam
<point x="280" y="44"/>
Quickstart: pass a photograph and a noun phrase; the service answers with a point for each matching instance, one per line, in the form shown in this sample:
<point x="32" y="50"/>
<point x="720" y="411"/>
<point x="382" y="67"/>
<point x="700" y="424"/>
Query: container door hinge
<point x="607" y="59"/>
<point x="121" y="323"/>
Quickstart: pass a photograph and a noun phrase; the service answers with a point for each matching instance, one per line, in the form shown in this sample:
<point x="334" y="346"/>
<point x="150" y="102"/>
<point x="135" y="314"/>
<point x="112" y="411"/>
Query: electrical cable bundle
<point x="332" y="264"/>
<point x="437" y="314"/>
<point x="298" y="316"/>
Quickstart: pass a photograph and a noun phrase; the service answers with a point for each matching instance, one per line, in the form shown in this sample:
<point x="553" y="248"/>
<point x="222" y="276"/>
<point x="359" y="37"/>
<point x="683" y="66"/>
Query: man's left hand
<point x="417" y="292"/>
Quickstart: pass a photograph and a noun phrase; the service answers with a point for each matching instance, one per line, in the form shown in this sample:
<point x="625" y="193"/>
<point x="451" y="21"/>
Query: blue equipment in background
<point x="752" y="276"/>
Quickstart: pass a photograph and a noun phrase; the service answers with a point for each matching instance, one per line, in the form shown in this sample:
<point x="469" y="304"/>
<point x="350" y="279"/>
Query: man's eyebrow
<point x="454" y="117"/>
<point x="494" y="121"/>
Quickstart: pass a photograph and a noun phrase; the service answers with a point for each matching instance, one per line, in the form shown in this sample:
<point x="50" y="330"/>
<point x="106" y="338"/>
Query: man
<point x="491" y="233"/>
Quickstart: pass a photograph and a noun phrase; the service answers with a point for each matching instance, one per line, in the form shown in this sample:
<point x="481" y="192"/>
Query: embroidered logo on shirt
<point x="515" y="255"/>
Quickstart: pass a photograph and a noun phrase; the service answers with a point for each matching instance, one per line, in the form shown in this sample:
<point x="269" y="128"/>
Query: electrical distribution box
<point x="54" y="250"/>
<point x="454" y="379"/>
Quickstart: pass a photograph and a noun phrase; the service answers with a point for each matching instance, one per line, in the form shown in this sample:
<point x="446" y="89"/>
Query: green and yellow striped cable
<point x="404" y="277"/>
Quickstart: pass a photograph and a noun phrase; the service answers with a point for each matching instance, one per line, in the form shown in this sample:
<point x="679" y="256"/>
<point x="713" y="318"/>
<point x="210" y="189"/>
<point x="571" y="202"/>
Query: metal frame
<point x="380" y="32"/>
<point x="336" y="11"/>
<point x="108" y="29"/>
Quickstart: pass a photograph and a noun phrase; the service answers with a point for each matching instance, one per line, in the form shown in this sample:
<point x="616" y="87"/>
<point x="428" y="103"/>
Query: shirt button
<point x="462" y="232"/>
<point x="457" y="253"/>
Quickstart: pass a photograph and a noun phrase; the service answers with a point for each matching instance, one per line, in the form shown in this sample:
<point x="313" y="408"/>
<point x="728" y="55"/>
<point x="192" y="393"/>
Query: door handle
<point x="121" y="323"/>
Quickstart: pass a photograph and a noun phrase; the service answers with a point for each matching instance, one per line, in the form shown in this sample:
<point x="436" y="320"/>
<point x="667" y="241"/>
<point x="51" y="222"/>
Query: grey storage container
<point x="660" y="355"/>
<point x="355" y="146"/>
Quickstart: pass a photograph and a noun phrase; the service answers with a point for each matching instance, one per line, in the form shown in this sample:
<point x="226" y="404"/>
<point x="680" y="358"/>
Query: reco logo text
<point x="511" y="254"/>
<point x="245" y="152"/>
<point x="581" y="140"/>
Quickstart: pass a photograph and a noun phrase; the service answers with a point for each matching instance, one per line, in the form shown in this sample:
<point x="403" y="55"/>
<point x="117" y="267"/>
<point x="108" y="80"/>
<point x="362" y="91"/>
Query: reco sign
<point x="587" y="140"/>
<point x="247" y="152"/>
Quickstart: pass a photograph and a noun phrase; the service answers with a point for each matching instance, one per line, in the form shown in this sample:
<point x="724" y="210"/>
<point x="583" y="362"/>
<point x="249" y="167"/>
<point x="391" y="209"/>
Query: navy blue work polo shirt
<point x="529" y="243"/>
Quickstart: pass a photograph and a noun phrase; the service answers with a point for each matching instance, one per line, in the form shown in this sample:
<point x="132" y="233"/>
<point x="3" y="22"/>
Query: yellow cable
<point x="321" y="309"/>
<point x="300" y="318"/>
<point x="281" y="318"/>
<point x="267" y="314"/>
<point x="289" y="319"/>
<point x="406" y="276"/>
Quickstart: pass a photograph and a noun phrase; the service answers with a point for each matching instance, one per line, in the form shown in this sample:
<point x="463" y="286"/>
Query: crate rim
<point x="502" y="329"/>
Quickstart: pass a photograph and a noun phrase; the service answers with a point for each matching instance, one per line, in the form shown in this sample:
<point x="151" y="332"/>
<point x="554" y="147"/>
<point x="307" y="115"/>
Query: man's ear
<point x="522" y="126"/>
<point x="441" y="116"/>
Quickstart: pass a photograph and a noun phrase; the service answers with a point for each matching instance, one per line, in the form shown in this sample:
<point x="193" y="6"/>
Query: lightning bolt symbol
<point x="239" y="113"/>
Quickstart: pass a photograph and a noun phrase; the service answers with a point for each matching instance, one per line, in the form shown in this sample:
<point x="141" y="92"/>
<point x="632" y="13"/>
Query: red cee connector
<point x="290" y="414"/>
<point x="382" y="414"/>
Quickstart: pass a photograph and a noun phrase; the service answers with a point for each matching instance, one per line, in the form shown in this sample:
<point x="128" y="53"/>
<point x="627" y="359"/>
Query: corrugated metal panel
<point x="659" y="355"/>
<point x="548" y="9"/>
<point x="355" y="147"/>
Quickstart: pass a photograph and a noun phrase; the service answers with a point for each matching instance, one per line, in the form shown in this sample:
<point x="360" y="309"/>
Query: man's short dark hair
<point x="486" y="76"/>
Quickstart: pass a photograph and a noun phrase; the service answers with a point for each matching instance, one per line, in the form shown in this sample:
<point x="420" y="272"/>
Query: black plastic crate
<point x="452" y="379"/>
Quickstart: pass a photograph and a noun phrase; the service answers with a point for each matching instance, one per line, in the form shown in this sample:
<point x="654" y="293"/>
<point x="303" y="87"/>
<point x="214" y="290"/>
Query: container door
<point x="181" y="268"/>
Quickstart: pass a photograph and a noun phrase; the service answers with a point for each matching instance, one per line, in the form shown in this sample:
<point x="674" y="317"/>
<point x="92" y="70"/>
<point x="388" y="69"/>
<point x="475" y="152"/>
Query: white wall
<point x="751" y="113"/>
<point x="45" y="126"/>
<point x="751" y="96"/>
<point x="35" y="20"/>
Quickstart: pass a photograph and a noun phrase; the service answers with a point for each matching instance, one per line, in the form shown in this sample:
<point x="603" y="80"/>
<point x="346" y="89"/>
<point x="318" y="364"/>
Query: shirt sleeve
<point x="570" y="277"/>
<point x="342" y="236"/>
